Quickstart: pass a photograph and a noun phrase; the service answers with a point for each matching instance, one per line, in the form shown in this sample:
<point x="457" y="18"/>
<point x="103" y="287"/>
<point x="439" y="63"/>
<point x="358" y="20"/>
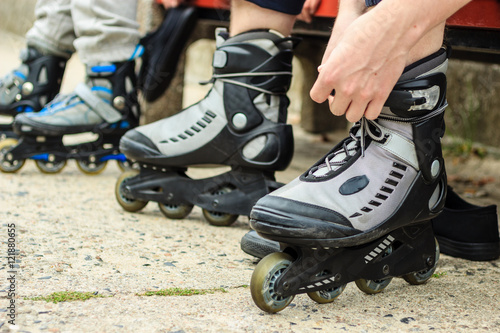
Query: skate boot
<point x="106" y="106"/>
<point x="30" y="86"/>
<point x="463" y="230"/>
<point x="240" y="123"/>
<point x="373" y="196"/>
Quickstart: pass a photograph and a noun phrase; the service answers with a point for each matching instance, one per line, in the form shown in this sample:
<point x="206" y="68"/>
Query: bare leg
<point x="247" y="16"/>
<point x="429" y="44"/>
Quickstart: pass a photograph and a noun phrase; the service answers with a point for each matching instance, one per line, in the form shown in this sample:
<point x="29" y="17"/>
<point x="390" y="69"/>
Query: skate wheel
<point x="219" y="219"/>
<point x="372" y="286"/>
<point x="91" y="168"/>
<point x="127" y="165"/>
<point x="175" y="212"/>
<point x="262" y="284"/>
<point x="423" y="276"/>
<point x="326" y="295"/>
<point x="127" y="203"/>
<point x="50" y="167"/>
<point x="7" y="165"/>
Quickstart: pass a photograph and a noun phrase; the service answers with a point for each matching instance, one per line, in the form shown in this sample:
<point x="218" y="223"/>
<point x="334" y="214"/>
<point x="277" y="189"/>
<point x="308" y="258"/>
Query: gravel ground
<point x="73" y="236"/>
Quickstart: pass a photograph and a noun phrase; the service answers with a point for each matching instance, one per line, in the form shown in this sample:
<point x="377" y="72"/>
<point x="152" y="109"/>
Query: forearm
<point x="411" y="18"/>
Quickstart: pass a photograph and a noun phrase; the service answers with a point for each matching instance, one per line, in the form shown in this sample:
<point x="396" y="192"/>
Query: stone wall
<point x="474" y="101"/>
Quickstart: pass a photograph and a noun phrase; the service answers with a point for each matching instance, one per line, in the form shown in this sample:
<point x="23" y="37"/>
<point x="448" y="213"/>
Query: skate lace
<point x="227" y="78"/>
<point x="357" y="140"/>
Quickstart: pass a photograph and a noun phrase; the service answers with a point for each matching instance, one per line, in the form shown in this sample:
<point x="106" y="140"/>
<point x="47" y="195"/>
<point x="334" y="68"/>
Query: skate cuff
<point x="107" y="112"/>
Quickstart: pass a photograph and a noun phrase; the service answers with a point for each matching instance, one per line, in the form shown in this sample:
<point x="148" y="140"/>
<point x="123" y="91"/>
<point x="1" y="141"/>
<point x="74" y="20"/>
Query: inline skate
<point x="240" y="123"/>
<point x="30" y="86"/>
<point x="105" y="106"/>
<point x="363" y="212"/>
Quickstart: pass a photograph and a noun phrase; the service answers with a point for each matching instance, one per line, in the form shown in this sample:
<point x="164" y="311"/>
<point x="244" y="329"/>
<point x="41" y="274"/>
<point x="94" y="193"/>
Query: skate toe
<point x="137" y="146"/>
<point x="281" y="218"/>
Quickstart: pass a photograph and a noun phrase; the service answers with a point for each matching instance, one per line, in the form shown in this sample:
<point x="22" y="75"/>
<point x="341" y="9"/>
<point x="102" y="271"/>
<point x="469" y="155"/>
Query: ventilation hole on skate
<point x="366" y="209"/>
<point x="129" y="86"/>
<point x="396" y="174"/>
<point x="174" y="140"/>
<point x="380" y="196"/>
<point x="202" y="125"/>
<point x="182" y="136"/>
<point x="206" y="119"/>
<point x="391" y="182"/>
<point x="355" y="215"/>
<point x="196" y="129"/>
<point x="399" y="166"/>
<point x="42" y="76"/>
<point x="253" y="148"/>
<point x="164" y="141"/>
<point x="211" y="114"/>
<point x="386" y="189"/>
<point x="189" y="132"/>
<point x="43" y="100"/>
<point x="374" y="203"/>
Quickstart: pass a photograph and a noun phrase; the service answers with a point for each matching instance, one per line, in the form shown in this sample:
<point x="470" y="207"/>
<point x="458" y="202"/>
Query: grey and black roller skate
<point x="105" y="106"/>
<point x="363" y="212"/>
<point x="240" y="123"/>
<point x="30" y="86"/>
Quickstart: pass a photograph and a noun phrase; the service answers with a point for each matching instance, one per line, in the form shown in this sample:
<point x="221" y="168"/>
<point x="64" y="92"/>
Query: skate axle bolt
<point x="215" y="203"/>
<point x="337" y="277"/>
<point x="385" y="269"/>
<point x="119" y="102"/>
<point x="430" y="261"/>
<point x="286" y="285"/>
<point x="27" y="88"/>
<point x="170" y="196"/>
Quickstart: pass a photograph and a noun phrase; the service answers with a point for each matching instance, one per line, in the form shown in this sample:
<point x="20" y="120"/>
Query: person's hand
<point x="364" y="59"/>
<point x="310" y="7"/>
<point x="171" y="3"/>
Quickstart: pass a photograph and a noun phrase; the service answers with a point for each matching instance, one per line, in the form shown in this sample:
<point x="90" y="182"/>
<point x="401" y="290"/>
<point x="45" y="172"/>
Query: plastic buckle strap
<point x="107" y="112"/>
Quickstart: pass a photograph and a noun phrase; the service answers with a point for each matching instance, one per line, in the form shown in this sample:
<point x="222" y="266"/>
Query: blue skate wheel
<point x="50" y="167"/>
<point x="91" y="168"/>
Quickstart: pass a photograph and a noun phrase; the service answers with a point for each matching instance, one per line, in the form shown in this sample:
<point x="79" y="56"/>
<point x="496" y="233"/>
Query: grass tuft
<point x="66" y="296"/>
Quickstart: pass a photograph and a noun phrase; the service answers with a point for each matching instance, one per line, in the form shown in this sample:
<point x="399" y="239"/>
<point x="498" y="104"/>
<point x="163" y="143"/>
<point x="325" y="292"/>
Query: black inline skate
<point x="105" y="106"/>
<point x="30" y="86"/>
<point x="240" y="123"/>
<point x="363" y="212"/>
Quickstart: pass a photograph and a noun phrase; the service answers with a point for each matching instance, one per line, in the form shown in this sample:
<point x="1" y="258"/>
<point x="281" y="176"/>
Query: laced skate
<point x="240" y="123"/>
